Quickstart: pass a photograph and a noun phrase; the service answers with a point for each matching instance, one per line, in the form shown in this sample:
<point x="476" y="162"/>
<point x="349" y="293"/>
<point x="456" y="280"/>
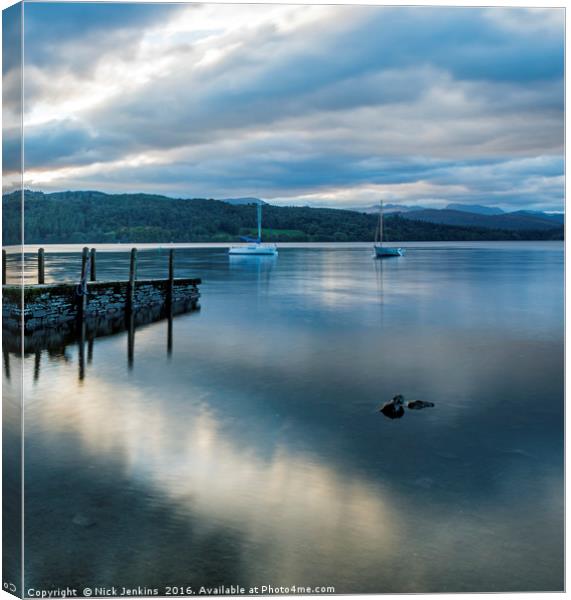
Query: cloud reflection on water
<point x="255" y="451"/>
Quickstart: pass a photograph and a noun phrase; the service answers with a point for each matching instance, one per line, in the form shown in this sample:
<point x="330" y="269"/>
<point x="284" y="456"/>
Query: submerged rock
<point x="418" y="404"/>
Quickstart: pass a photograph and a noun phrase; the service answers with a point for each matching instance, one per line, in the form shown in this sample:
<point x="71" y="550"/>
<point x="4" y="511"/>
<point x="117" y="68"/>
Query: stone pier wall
<point x="52" y="305"/>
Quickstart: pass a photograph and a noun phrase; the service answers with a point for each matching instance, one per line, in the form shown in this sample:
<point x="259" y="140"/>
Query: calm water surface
<point x="253" y="454"/>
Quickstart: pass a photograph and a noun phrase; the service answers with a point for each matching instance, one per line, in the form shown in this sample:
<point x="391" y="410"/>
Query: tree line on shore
<point x="94" y="217"/>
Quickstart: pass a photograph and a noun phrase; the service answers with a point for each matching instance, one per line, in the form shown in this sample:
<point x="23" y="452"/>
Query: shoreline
<point x="126" y="247"/>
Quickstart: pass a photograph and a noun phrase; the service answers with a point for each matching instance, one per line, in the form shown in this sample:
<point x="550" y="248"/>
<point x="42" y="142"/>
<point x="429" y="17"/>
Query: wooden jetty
<point x="34" y="307"/>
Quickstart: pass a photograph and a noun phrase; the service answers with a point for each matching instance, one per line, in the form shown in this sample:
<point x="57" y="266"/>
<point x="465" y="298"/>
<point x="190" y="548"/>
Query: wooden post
<point x="41" y="266"/>
<point x="93" y="273"/>
<point x="170" y="288"/>
<point x="3" y="267"/>
<point x="84" y="256"/>
<point x="83" y="297"/>
<point x="132" y="279"/>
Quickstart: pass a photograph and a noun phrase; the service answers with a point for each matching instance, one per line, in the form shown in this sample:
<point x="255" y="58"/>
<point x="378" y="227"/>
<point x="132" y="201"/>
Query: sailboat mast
<point x="381" y="224"/>
<point x="259" y="221"/>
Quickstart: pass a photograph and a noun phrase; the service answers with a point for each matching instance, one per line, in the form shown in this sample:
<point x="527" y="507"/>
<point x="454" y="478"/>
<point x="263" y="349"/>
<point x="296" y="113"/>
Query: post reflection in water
<point x="169" y="332"/>
<point x="6" y="361"/>
<point x="130" y="339"/>
<point x="81" y="353"/>
<point x="250" y="451"/>
<point x="83" y="334"/>
<point x="37" y="361"/>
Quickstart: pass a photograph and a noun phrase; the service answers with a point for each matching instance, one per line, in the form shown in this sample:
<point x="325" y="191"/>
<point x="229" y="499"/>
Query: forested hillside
<point x="514" y="221"/>
<point x="94" y="217"/>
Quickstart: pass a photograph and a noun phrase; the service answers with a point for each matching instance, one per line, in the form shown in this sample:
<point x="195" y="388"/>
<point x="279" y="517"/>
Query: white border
<point x="467" y="3"/>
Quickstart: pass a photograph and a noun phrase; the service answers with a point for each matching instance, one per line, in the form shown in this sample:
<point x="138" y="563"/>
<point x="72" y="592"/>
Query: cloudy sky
<point x="318" y="105"/>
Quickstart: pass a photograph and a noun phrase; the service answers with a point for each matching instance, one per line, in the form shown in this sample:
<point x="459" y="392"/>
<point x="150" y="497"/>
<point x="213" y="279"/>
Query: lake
<point x="252" y="453"/>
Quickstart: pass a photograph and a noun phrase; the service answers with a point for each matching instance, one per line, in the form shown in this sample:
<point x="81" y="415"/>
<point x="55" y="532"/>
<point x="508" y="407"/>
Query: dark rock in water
<point x="83" y="520"/>
<point x="395" y="409"/>
<point x="392" y="411"/>
<point x="418" y="404"/>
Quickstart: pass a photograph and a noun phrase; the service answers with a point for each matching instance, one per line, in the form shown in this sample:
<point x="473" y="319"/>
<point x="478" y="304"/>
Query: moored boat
<point x="382" y="251"/>
<point x="255" y="249"/>
<point x="385" y="251"/>
<point x="254" y="246"/>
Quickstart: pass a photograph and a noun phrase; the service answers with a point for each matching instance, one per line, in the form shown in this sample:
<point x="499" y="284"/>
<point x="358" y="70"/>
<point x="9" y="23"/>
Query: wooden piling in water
<point x="170" y="288"/>
<point x="3" y="267"/>
<point x="84" y="257"/>
<point x="132" y="279"/>
<point x="83" y="296"/>
<point x="77" y="301"/>
<point x="129" y="309"/>
<point x="41" y="266"/>
<point x="93" y="273"/>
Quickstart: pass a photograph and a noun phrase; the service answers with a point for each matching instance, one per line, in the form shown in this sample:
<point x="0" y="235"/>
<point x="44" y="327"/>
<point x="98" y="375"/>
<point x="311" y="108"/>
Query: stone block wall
<point x="52" y="305"/>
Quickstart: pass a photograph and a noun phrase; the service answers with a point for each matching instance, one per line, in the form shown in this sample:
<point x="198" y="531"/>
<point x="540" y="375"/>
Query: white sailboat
<point x="380" y="250"/>
<point x="254" y="247"/>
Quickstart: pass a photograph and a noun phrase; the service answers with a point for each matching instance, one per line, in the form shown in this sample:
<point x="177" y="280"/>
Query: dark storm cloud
<point x="65" y="143"/>
<point x="53" y="28"/>
<point x="12" y="38"/>
<point x="66" y="42"/>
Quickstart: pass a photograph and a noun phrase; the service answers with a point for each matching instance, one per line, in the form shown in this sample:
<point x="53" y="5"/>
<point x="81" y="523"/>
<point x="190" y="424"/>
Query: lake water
<point x="254" y="454"/>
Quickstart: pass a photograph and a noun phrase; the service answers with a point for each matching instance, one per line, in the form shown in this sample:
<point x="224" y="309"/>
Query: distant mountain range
<point x="387" y="208"/>
<point x="476" y="209"/>
<point x="240" y="201"/>
<point x="95" y="217"/>
<point x="471" y="208"/>
<point x="476" y="215"/>
<point x="513" y="221"/>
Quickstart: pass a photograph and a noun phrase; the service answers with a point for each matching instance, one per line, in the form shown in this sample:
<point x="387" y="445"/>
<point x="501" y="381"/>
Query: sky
<point x="336" y="106"/>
